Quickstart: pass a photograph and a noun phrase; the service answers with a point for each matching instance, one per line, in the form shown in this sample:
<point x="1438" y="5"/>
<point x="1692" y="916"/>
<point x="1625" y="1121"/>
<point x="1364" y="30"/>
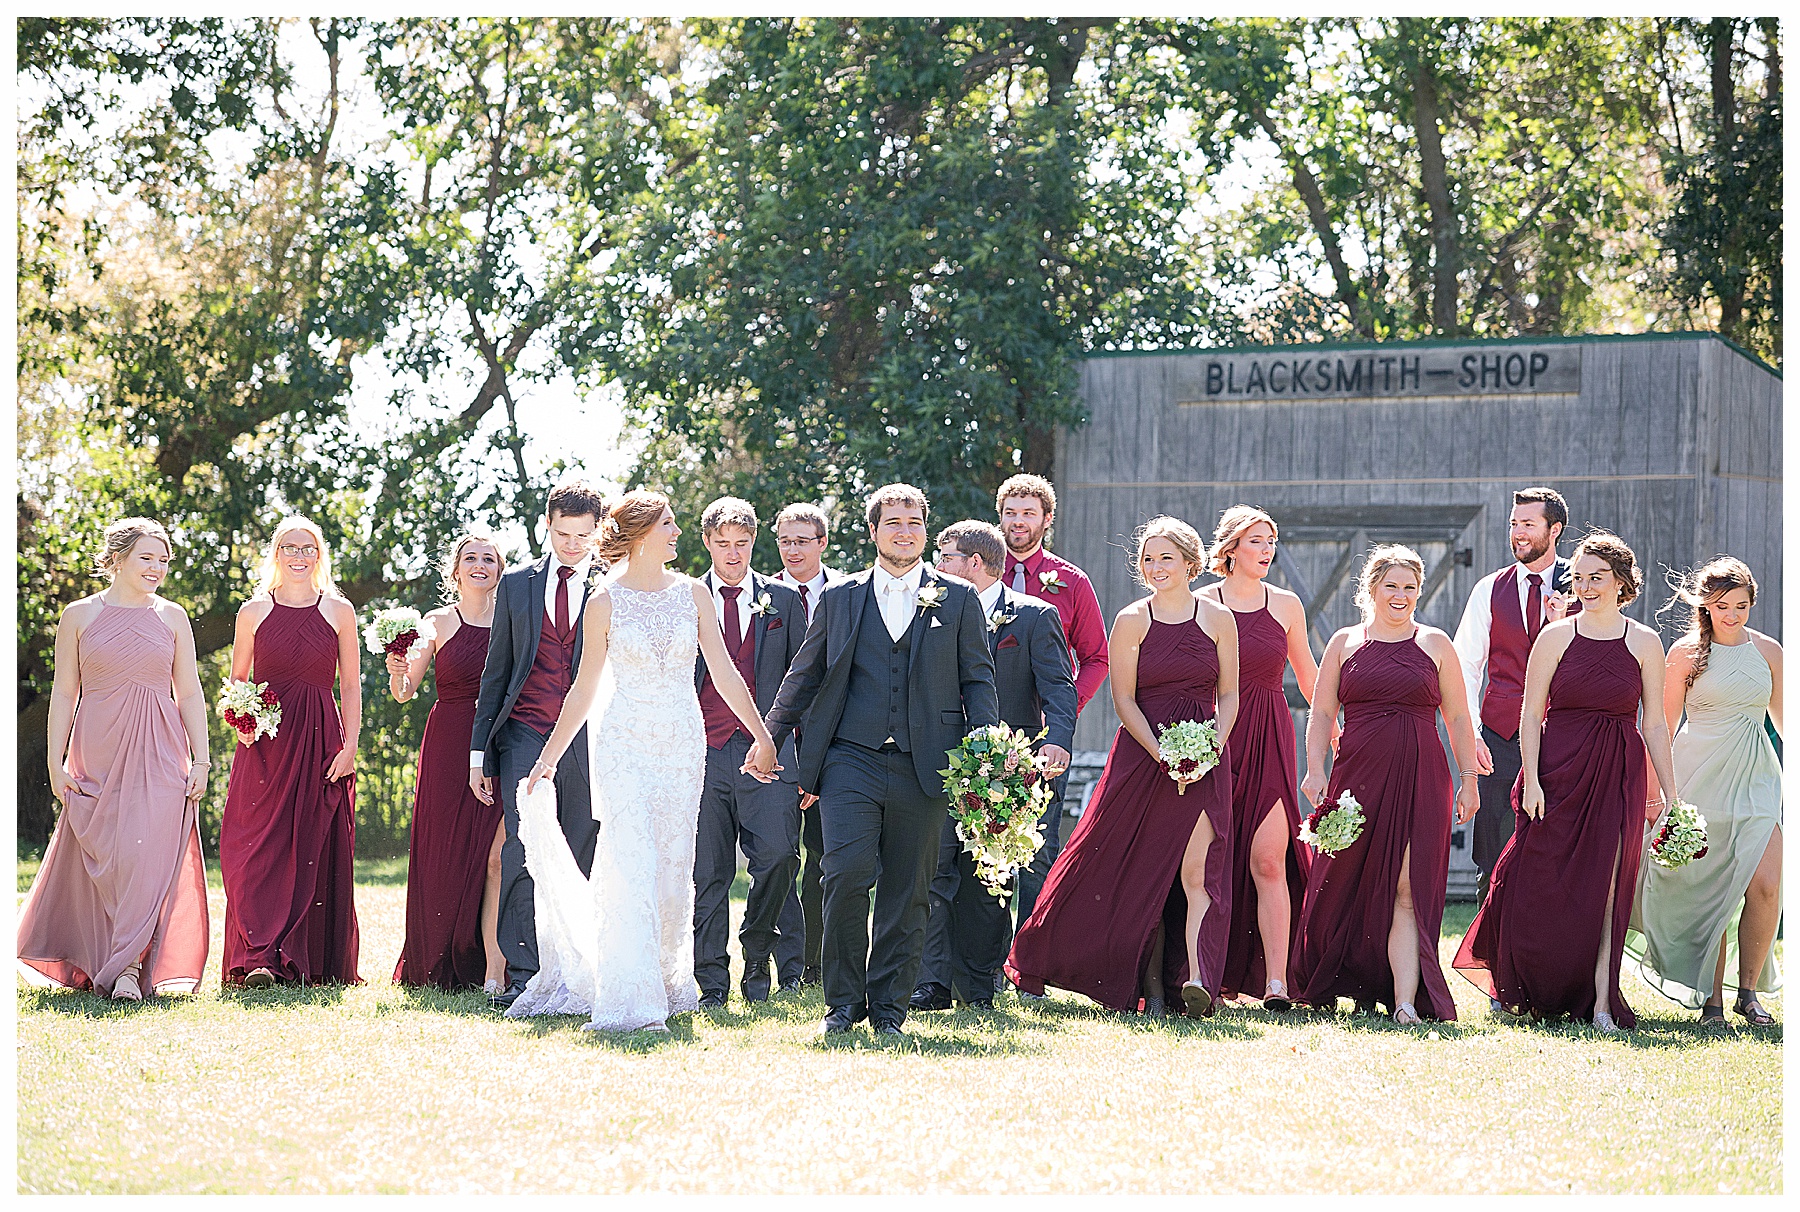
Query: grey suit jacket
<point x="950" y="676"/>
<point x="1032" y="672"/>
<point x="512" y="647"/>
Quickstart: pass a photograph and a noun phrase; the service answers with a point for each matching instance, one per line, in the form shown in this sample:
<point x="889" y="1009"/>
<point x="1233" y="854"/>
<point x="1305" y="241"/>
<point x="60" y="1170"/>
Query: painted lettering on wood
<point x="1309" y="374"/>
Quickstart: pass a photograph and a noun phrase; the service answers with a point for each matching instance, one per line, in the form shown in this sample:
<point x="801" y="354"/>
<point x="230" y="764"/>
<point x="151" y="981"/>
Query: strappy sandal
<point x="1712" y="1014"/>
<point x="1603" y="1023"/>
<point x="1752" y="1012"/>
<point x="1276" y="999"/>
<point x="1406" y="1015"/>
<point x="125" y="988"/>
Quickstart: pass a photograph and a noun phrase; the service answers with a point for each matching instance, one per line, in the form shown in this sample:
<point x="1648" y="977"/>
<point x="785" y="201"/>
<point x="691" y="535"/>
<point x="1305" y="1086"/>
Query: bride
<point x="619" y="947"/>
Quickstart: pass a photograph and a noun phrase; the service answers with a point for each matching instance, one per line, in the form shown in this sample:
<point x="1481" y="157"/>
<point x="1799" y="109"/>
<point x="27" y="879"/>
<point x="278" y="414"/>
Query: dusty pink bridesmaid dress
<point x="122" y="877"/>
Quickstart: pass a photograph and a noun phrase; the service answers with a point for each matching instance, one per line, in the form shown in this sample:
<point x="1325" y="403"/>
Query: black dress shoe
<point x="812" y="977"/>
<point x="930" y="996"/>
<point x="755" y="985"/>
<point x="791" y="985"/>
<point x="888" y="1027"/>
<point x="503" y="1001"/>
<point x="840" y="1019"/>
<point x="980" y="1003"/>
<point x="712" y="1001"/>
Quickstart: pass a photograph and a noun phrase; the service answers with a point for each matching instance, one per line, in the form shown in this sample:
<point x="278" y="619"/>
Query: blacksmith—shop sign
<point x="1323" y="374"/>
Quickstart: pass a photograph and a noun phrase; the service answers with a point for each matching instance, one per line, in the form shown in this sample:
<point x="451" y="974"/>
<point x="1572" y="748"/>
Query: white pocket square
<point x="936" y="622"/>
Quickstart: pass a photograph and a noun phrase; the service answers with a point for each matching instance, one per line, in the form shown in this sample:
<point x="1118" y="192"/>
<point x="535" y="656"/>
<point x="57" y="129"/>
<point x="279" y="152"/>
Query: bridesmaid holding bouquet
<point x="288" y="831"/>
<point x="1549" y="939"/>
<point x="1268" y="862"/>
<point x="1369" y="927"/>
<point x="1150" y="861"/>
<point x="1712" y="922"/>
<point x="119" y="905"/>
<point x="453" y="868"/>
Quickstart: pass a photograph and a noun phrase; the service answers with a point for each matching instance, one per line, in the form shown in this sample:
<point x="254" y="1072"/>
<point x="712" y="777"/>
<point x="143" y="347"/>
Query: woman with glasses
<point x="288" y="829"/>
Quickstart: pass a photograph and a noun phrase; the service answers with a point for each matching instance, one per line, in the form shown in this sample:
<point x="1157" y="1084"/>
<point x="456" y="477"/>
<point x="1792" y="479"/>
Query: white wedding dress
<point x="619" y="947"/>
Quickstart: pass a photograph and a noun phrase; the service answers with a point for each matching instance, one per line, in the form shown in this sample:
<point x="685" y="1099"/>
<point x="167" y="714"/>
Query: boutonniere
<point x="930" y="596"/>
<point x="763" y="604"/>
<point x="1051" y="582"/>
<point x="1002" y="615"/>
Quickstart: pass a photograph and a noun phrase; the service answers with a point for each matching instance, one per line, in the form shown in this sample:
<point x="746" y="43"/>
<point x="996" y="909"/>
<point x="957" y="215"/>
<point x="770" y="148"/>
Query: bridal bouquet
<point x="998" y="790"/>
<point x="251" y="709"/>
<point x="1333" y="826"/>
<point x="1680" y="836"/>
<point x="1187" y="750"/>
<point x="394" y="632"/>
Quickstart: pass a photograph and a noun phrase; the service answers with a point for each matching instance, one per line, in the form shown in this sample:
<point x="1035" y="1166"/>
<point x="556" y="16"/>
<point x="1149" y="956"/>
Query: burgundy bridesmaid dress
<point x="287" y="836"/>
<point x="1264" y="772"/>
<point x="1537" y="938"/>
<point x="1120" y="873"/>
<point x="451" y="832"/>
<point x="123" y="871"/>
<point x="1390" y="758"/>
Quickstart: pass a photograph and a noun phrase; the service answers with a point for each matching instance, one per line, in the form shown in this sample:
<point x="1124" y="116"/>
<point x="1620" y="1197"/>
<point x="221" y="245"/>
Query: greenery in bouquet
<point x="1333" y="825"/>
<point x="394" y="632"/>
<point x="998" y="790"/>
<point x="1187" y="750"/>
<point x="1680" y="836"/>
<point x="250" y="708"/>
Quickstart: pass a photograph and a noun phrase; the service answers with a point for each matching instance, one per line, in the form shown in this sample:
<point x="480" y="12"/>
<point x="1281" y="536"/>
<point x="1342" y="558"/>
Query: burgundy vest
<point x="1508" y="649"/>
<point x="721" y="721"/>
<point x="547" y="685"/>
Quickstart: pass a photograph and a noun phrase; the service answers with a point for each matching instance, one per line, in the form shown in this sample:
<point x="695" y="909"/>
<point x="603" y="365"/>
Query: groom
<point x="534" y="651"/>
<point x="894" y="672"/>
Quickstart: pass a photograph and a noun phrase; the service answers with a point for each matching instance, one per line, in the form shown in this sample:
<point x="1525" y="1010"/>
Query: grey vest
<point x="875" y="703"/>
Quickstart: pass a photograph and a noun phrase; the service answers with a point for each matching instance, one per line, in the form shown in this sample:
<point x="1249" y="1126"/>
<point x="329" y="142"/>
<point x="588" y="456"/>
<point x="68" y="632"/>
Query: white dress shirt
<point x="814" y="587"/>
<point x="1476" y="627"/>
<point x="575" y="603"/>
<point x="897" y="597"/>
<point x="748" y="584"/>
<point x="990" y="598"/>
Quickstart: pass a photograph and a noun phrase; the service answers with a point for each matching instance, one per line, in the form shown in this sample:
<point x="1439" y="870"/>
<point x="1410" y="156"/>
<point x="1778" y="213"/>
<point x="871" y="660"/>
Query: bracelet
<point x="1471" y="773"/>
<point x="199" y="762"/>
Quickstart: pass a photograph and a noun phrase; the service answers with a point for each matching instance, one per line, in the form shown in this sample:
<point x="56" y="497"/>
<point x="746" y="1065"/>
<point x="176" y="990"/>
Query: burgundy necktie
<point x="806" y="602"/>
<point x="562" y="600"/>
<point x="1534" y="609"/>
<point x="734" y="636"/>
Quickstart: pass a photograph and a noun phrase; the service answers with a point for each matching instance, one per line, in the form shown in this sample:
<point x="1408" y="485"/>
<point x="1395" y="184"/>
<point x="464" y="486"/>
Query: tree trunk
<point x="1722" y="33"/>
<point x="1434" y="178"/>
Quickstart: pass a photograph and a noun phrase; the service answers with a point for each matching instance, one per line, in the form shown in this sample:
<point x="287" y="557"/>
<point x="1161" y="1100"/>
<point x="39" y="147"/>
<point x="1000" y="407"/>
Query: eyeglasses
<point x="798" y="544"/>
<point x="290" y="550"/>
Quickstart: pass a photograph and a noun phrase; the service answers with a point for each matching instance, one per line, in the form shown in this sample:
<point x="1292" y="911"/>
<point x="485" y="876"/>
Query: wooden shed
<point x="1671" y="440"/>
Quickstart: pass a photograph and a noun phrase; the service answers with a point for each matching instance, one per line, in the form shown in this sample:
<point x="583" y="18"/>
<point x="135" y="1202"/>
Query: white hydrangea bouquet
<point x="1186" y="750"/>
<point x="251" y="708"/>
<point x="1333" y="825"/>
<point x="1680" y="836"/>
<point x="394" y="632"/>
<point x="998" y="790"/>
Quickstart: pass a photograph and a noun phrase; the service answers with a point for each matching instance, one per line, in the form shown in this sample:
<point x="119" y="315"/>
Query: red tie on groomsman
<point x="734" y="633"/>
<point x="806" y="603"/>
<point x="1534" y="606"/>
<point x="562" y="600"/>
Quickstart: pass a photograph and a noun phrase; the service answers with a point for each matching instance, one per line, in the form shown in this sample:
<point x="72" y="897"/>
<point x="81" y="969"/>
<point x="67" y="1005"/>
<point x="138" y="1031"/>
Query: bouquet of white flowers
<point x="1680" y="836"/>
<point x="998" y="790"/>
<point x="251" y="708"/>
<point x="1188" y="749"/>
<point x="1333" y="826"/>
<point x="394" y="631"/>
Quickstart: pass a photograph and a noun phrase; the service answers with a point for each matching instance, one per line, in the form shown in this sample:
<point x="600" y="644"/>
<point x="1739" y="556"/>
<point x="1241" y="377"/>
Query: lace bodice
<point x="654" y="638"/>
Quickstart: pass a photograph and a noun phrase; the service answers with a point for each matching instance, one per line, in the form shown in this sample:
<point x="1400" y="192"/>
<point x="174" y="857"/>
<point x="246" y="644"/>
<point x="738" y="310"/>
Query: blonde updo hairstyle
<point x="268" y="573"/>
<point x="1611" y="548"/>
<point x="1712" y="581"/>
<point x="120" y="537"/>
<point x="1234" y="523"/>
<point x="1184" y="537"/>
<point x="1382" y="558"/>
<point x="448" y="590"/>
<point x="628" y="520"/>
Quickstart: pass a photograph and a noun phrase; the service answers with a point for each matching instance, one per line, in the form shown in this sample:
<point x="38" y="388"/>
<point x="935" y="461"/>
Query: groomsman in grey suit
<point x="800" y="532"/>
<point x="894" y="672"/>
<point x="534" y="651"/>
<point x="969" y="930"/>
<point x="763" y="626"/>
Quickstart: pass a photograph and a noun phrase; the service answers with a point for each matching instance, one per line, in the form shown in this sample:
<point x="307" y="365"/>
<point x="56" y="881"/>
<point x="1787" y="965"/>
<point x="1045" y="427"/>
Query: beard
<point x="1533" y="552"/>
<point x="1033" y="539"/>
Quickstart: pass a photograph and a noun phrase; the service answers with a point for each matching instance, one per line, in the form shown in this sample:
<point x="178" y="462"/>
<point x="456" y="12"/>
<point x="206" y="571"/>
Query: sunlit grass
<point x="376" y="1088"/>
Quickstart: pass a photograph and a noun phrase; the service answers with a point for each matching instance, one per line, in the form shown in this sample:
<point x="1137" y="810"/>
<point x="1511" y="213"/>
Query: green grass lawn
<point x="378" y="1089"/>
